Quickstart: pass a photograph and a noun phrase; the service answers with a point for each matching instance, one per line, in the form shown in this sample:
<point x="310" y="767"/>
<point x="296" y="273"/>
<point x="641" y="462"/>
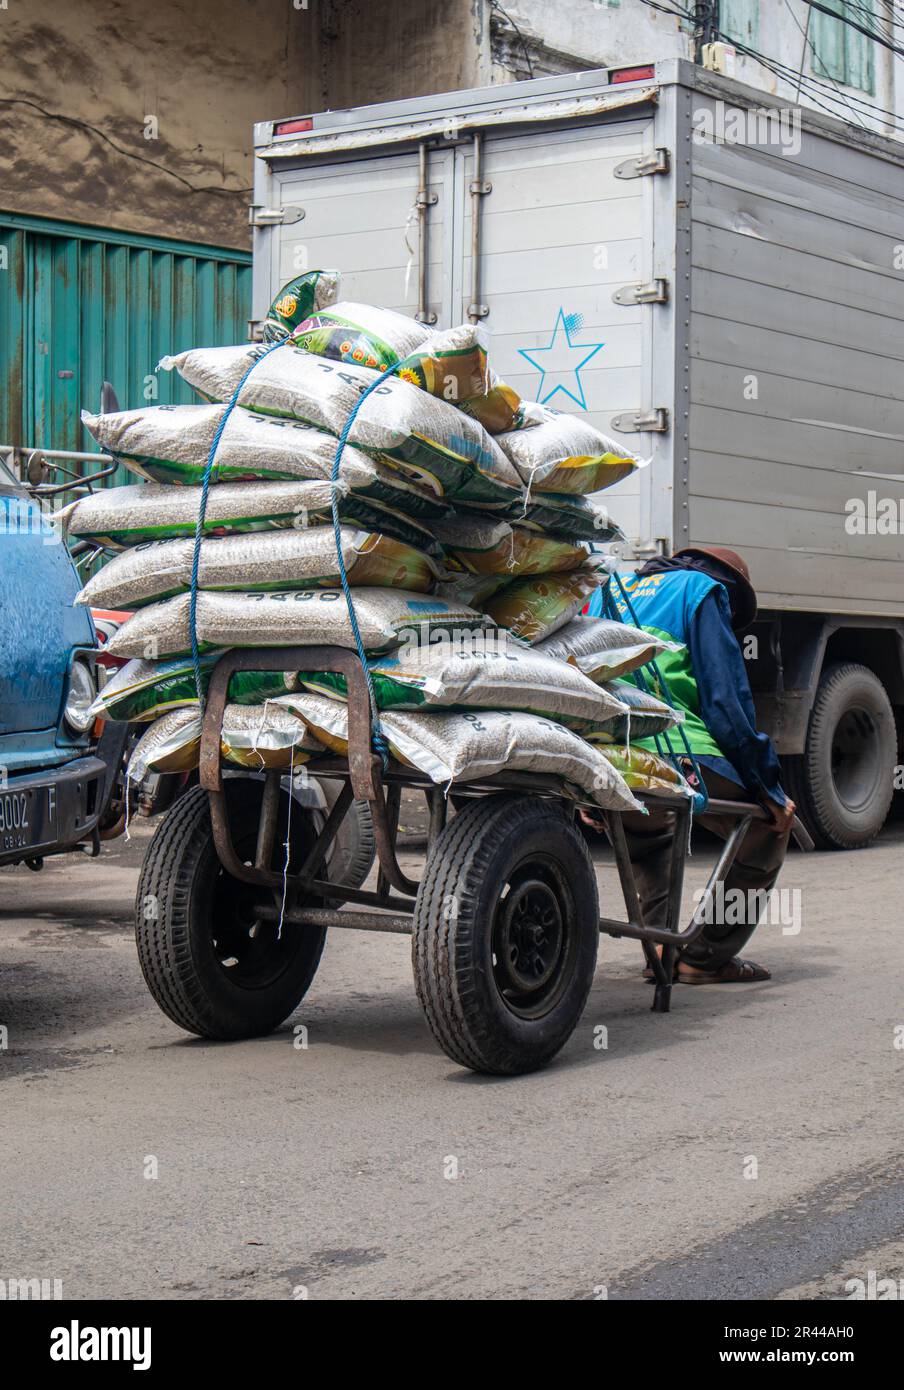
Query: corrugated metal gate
<point x="81" y="305"/>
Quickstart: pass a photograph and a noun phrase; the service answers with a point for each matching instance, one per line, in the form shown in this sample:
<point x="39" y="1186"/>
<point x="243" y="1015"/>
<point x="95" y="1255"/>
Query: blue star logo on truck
<point x="559" y="370"/>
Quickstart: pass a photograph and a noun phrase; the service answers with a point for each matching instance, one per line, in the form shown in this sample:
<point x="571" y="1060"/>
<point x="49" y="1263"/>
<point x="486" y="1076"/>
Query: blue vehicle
<point x="57" y="777"/>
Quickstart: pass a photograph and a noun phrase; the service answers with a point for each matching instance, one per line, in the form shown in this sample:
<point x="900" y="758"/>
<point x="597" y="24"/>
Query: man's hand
<point x="780" y="816"/>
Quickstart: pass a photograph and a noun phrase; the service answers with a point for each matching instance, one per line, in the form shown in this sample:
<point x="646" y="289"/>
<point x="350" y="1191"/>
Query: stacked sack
<point x="465" y="531"/>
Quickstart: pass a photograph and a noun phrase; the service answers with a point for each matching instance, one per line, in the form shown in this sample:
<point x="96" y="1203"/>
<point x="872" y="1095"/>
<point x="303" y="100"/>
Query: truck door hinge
<point x="638" y="422"/>
<point x="658" y="162"/>
<point x="653" y="292"/>
<point x="274" y="217"/>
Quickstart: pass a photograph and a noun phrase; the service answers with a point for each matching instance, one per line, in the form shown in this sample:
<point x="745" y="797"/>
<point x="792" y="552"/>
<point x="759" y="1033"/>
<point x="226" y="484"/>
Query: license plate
<point x="27" y="817"/>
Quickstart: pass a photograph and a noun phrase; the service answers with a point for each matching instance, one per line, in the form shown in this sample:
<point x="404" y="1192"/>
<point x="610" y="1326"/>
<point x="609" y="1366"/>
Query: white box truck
<point x="711" y="276"/>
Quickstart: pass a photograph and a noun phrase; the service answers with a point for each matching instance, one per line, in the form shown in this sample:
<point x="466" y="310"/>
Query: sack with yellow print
<point x="556" y="452"/>
<point x="537" y="606"/>
<point x="297" y="300"/>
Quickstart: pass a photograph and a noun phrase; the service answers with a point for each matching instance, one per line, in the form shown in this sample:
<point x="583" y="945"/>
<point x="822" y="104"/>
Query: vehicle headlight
<point x="82" y="693"/>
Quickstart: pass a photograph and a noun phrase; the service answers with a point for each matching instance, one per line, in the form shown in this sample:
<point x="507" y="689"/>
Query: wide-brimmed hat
<point x="731" y="560"/>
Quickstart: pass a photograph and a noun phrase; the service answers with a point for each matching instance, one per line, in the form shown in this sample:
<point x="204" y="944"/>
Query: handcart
<point x="236" y="895"/>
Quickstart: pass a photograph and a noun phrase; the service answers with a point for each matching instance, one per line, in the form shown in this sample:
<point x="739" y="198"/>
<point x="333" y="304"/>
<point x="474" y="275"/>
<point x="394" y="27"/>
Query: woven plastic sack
<point x="171" y="444"/>
<point x="143" y="690"/>
<point x="262" y="560"/>
<point x="428" y="440"/>
<point x="302" y="296"/>
<point x="119" y="517"/>
<point x="604" y="649"/>
<point x="260" y="736"/>
<point x="469" y="747"/>
<point x="570" y="518"/>
<point x="482" y="545"/>
<point x="556" y="452"/>
<point x="451" y="364"/>
<point x="491" y="675"/>
<point x="535" y="607"/>
<point x="644" y="771"/>
<point x="644" y="716"/>
<point x="301" y="617"/>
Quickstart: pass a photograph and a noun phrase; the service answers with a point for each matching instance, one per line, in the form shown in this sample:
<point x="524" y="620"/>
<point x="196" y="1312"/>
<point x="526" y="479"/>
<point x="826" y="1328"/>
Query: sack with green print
<point x="427" y="440"/>
<point x="302" y="296"/>
<point x="490" y="671"/>
<point x="143" y="690"/>
<point x="558" y="452"/>
<point x="289" y="618"/>
<point x="119" y="517"/>
<point x="451" y="364"/>
<point x="604" y="649"/>
<point x="643" y="716"/>
<point x="536" y="606"/>
<point x="483" y="545"/>
<point x="645" y="771"/>
<point x="171" y="444"/>
<point x="303" y="559"/>
<point x="571" y="518"/>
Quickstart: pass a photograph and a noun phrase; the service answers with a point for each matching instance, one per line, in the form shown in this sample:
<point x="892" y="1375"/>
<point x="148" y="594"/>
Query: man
<point x="701" y="597"/>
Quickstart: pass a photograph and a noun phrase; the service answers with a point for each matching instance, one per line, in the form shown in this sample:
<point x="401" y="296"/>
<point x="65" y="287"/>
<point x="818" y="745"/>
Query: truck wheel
<point x="355" y="846"/>
<point x="506" y="929"/>
<point x="210" y="965"/>
<point x="843" y="782"/>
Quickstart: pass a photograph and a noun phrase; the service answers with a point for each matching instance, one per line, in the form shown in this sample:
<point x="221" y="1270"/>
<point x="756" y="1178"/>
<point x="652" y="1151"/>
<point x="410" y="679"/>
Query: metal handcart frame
<point x="307" y="899"/>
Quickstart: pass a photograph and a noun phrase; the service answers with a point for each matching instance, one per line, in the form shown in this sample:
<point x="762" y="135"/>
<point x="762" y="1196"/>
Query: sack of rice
<point x="451" y="364"/>
<point x="490" y="673"/>
<point x="558" y="452"/>
<point x="261" y="736"/>
<point x="644" y="771"/>
<point x="143" y="690"/>
<point x="305" y="295"/>
<point x="537" y="606"/>
<point x="482" y="545"/>
<point x="171" y="444"/>
<point x="261" y="560"/>
<point x="118" y="517"/>
<point x="300" y="617"/>
<point x="570" y="518"/>
<point x="644" y="716"/>
<point x="469" y="747"/>
<point x="603" y="649"/>
<point x="428" y="440"/>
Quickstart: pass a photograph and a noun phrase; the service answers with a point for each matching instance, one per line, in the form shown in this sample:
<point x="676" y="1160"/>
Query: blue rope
<point x="202" y="513"/>
<point x="701" y="798"/>
<point x="377" y="736"/>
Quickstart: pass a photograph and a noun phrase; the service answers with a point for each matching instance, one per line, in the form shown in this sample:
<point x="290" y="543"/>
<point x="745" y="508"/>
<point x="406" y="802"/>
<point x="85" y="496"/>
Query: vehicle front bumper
<point x="62" y="806"/>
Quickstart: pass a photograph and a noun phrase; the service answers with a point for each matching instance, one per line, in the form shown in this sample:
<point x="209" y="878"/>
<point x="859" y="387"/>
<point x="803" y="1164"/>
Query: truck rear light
<point x="632" y="74"/>
<point x="293" y="127"/>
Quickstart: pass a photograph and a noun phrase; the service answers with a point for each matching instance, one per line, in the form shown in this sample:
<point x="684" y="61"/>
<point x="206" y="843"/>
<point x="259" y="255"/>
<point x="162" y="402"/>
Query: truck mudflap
<point x="48" y="812"/>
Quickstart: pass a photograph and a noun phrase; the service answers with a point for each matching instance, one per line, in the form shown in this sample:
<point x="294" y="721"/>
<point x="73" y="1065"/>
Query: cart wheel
<point x="210" y="965"/>
<point x="506" y="928"/>
<point x="355" y="846"/>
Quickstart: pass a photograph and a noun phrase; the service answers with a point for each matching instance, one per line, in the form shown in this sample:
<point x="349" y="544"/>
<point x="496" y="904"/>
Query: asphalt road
<point x="745" y="1145"/>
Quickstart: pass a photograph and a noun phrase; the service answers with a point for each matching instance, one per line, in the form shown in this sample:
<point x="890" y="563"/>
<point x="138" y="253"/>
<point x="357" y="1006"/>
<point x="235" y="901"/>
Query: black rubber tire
<point x="843" y="782"/>
<point x="181" y="888"/>
<point x="492" y="844"/>
<point x="355" y="846"/>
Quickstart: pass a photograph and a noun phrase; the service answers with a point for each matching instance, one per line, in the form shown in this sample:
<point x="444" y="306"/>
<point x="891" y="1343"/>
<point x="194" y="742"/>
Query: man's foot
<point x="733" y="972"/>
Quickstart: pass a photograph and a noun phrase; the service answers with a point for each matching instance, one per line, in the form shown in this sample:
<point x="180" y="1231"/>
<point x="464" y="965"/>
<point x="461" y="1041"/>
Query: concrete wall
<point x="597" y="33"/>
<point x="79" y="81"/>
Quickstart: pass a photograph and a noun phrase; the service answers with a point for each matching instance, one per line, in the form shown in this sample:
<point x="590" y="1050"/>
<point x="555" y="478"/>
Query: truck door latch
<point x="658" y="162"/>
<point x="654" y="292"/>
<point x="636" y="422"/>
<point x="274" y="217"/>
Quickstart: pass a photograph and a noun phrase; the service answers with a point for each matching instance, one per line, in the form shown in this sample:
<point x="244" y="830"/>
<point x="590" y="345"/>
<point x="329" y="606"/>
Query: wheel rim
<point x="533" y="939"/>
<point x="856" y="758"/>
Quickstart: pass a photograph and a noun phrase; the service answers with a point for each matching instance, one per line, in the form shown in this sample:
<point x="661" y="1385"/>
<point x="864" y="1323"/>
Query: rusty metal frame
<point x="365" y="778"/>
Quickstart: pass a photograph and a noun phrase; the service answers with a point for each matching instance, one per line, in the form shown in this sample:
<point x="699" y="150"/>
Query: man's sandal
<point x="734" y="972"/>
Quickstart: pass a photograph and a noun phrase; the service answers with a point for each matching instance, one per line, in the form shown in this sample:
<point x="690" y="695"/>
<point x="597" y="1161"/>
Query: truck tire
<point x="355" y="846"/>
<point x="843" y="781"/>
<point x="212" y="968"/>
<point x="506" y="930"/>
